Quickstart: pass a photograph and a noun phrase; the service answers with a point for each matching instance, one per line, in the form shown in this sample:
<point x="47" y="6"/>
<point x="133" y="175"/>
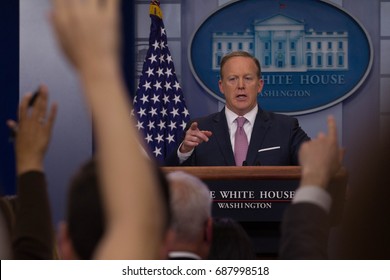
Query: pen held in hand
<point x="33" y="98"/>
<point x="14" y="130"/>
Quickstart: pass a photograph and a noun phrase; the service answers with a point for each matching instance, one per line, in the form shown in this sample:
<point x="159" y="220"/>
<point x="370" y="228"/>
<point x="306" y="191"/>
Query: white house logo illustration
<point x="282" y="44"/>
<point x="313" y="54"/>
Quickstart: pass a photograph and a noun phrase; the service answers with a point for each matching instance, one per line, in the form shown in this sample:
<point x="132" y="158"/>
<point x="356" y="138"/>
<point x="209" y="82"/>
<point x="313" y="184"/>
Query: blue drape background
<point x="9" y="93"/>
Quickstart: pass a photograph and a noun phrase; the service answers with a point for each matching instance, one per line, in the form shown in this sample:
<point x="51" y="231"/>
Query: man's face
<point x="240" y="84"/>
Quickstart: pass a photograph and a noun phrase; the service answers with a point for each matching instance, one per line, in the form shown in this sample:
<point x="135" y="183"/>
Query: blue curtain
<point x="128" y="28"/>
<point x="9" y="93"/>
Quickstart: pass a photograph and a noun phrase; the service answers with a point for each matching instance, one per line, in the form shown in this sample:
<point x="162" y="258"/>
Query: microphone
<point x="245" y="163"/>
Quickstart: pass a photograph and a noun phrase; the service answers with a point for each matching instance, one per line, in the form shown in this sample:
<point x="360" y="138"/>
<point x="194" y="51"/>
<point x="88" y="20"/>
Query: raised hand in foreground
<point x="33" y="132"/>
<point x="88" y="32"/>
<point x="321" y="158"/>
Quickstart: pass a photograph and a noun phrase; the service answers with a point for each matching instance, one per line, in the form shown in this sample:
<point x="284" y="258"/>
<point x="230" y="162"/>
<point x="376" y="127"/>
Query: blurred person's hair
<point x="230" y="241"/>
<point x="190" y="205"/>
<point x="85" y="212"/>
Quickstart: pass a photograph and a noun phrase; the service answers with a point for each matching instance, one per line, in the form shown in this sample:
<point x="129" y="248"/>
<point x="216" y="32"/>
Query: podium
<point x="256" y="196"/>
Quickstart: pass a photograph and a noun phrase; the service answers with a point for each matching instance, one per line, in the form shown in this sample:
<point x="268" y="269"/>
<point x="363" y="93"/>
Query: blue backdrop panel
<point x="9" y="95"/>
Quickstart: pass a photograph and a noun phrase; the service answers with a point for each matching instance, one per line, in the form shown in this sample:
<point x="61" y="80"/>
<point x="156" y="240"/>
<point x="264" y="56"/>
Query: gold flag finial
<point x="154" y="9"/>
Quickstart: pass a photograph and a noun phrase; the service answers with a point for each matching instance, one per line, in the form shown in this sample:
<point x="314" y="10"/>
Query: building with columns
<point x="282" y="43"/>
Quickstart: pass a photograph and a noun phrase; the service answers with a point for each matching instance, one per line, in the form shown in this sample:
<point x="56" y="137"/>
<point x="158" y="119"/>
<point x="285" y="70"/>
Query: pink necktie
<point x="240" y="142"/>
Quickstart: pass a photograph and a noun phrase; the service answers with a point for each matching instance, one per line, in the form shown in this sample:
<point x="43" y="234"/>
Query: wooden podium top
<point x="246" y="172"/>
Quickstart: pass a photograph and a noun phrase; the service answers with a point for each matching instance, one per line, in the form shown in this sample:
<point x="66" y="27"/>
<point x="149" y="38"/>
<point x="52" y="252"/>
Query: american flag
<point x="159" y="102"/>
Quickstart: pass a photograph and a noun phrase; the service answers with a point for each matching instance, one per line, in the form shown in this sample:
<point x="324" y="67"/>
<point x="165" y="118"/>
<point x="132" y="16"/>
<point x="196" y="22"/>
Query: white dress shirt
<point x="183" y="254"/>
<point x="232" y="125"/>
<point x="314" y="195"/>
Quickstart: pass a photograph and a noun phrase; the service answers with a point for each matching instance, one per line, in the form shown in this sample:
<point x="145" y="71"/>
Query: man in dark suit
<point x="272" y="139"/>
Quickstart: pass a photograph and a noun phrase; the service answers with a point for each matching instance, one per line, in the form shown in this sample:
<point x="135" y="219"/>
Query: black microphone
<point x="244" y="163"/>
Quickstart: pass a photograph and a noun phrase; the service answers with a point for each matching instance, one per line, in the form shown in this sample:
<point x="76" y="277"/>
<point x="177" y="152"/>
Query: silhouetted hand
<point x="33" y="132"/>
<point x="87" y="31"/>
<point x="321" y="157"/>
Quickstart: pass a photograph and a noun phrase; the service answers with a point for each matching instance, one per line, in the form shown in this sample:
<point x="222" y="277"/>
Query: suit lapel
<point x="261" y="125"/>
<point x="221" y="134"/>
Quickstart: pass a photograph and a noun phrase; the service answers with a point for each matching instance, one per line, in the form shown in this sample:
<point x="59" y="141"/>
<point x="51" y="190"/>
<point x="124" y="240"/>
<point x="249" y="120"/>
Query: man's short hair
<point x="230" y="241"/>
<point x="240" y="54"/>
<point x="190" y="205"/>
